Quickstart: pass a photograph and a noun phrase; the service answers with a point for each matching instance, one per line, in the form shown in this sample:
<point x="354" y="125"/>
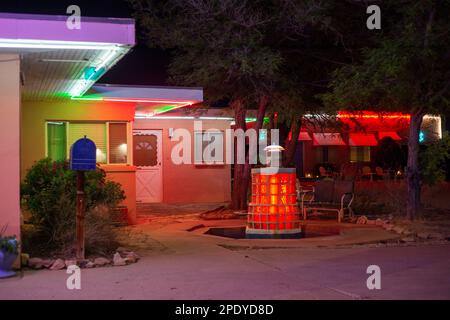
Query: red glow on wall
<point x="273" y="205"/>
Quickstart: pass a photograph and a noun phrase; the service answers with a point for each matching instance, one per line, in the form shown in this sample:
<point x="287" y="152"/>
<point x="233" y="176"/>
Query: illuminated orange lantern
<point x="273" y="211"/>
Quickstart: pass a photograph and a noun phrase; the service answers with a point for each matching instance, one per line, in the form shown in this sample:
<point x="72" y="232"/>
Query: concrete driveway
<point x="183" y="265"/>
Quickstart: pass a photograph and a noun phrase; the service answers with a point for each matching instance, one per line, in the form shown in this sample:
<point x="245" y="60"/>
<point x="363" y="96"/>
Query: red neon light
<point x="373" y="115"/>
<point x="184" y="103"/>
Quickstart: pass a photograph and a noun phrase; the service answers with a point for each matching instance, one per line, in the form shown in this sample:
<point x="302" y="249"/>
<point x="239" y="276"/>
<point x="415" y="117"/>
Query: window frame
<point x="129" y="140"/>
<point x="203" y="162"/>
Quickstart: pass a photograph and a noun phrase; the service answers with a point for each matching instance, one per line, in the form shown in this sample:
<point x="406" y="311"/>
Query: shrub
<point x="8" y="244"/>
<point x="433" y="159"/>
<point x="49" y="194"/>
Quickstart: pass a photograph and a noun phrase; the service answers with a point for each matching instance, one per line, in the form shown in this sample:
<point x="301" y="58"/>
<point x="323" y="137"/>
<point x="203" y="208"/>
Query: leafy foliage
<point x="49" y="193"/>
<point x="407" y="70"/>
<point x="433" y="160"/>
<point x="8" y="243"/>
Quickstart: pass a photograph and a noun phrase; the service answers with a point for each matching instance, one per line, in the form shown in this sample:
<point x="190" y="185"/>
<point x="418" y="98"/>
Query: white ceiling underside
<point x="49" y="75"/>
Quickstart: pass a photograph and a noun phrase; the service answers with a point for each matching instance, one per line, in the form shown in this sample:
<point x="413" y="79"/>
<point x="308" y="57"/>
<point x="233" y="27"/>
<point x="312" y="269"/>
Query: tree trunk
<point x="291" y="146"/>
<point x="262" y="106"/>
<point x="241" y="178"/>
<point x="412" y="169"/>
<point x="238" y="190"/>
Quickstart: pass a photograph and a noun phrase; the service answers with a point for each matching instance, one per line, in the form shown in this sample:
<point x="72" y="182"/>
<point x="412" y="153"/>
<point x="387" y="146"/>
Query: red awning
<point x="302" y="136"/>
<point x="362" y="139"/>
<point x="390" y="134"/>
<point x="327" y="139"/>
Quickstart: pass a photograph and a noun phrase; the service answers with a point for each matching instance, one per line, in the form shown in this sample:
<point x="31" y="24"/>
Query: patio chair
<point x="349" y="171"/>
<point x="366" y="172"/>
<point x="328" y="195"/>
<point x="379" y="173"/>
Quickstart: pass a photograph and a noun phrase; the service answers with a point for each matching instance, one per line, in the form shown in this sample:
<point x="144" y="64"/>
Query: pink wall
<point x="126" y="176"/>
<point x="188" y="182"/>
<point x="10" y="143"/>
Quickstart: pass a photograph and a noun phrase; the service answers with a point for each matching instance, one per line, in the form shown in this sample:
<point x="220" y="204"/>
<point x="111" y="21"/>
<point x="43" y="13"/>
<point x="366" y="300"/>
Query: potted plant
<point x="9" y="249"/>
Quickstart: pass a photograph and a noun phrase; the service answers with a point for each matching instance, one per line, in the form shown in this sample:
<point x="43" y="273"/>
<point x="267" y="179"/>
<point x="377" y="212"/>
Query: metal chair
<point x="329" y="195"/>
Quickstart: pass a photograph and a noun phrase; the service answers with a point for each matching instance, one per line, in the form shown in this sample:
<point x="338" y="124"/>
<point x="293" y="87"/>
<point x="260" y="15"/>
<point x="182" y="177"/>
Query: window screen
<point x="56" y="141"/>
<point x="117" y="143"/>
<point x="360" y="154"/>
<point x="94" y="131"/>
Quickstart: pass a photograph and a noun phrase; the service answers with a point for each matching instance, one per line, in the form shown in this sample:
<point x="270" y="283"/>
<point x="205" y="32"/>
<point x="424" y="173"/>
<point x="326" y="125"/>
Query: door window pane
<point x="145" y="150"/>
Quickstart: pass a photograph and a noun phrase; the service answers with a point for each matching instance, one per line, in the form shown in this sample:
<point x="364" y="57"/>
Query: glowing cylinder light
<point x="273" y="209"/>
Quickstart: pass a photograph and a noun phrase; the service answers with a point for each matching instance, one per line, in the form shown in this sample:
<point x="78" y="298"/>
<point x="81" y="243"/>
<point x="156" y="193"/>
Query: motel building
<point x="49" y="98"/>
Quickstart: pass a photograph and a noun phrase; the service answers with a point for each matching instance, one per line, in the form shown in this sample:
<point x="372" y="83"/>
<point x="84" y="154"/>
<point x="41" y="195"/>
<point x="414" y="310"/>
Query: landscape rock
<point x="408" y="239"/>
<point x="379" y="222"/>
<point x="35" y="263"/>
<point x="83" y="263"/>
<point x="122" y="250"/>
<point x="131" y="257"/>
<point x="100" y="262"/>
<point x="47" y="263"/>
<point x="118" y="260"/>
<point x="362" y="220"/>
<point x="70" y="262"/>
<point x="24" y="257"/>
<point x="398" y="229"/>
<point x="436" y="236"/>
<point x="58" y="264"/>
<point x="423" y="235"/>
<point x="90" y="265"/>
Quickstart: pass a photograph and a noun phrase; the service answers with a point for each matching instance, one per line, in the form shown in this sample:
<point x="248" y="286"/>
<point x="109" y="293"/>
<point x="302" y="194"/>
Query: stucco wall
<point x="10" y="143"/>
<point x="34" y="116"/>
<point x="188" y="182"/>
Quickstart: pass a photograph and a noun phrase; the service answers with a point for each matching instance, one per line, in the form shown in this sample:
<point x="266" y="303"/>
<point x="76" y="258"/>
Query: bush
<point x="8" y="244"/>
<point x="49" y="194"/>
<point x="433" y="160"/>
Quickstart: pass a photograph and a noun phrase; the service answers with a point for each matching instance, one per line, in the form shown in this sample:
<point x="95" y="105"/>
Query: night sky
<point x="141" y="66"/>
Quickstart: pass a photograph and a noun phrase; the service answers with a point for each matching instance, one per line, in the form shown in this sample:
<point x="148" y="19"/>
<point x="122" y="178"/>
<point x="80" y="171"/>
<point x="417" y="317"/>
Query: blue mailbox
<point x="83" y="155"/>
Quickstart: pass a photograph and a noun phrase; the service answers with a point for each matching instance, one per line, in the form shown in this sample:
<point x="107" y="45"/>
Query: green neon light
<point x="165" y="108"/>
<point x="87" y="98"/>
<point x="266" y="120"/>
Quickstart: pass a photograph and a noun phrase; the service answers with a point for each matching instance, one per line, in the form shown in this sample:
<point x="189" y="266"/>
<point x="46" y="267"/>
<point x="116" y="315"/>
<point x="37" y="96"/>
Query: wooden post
<point x="80" y="215"/>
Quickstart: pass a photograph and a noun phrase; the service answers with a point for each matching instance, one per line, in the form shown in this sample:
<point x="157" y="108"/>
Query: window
<point x="62" y="135"/>
<point x="56" y="140"/>
<point x="118" y="143"/>
<point x="325" y="154"/>
<point x="94" y="131"/>
<point x="360" y="154"/>
<point x="208" y="147"/>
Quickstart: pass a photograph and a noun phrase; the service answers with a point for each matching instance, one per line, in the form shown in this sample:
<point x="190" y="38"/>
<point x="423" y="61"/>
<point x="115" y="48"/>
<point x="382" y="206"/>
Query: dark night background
<point x="141" y="66"/>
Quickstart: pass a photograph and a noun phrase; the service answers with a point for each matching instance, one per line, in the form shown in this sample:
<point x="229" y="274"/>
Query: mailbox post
<point x="82" y="158"/>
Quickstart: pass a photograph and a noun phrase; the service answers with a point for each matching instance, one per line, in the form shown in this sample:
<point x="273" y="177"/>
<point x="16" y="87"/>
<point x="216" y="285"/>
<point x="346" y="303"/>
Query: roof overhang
<point x="60" y="62"/>
<point x="149" y="100"/>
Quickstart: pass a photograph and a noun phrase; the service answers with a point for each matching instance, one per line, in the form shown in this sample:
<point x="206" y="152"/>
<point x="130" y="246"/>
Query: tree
<point x="235" y="49"/>
<point x="408" y="71"/>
